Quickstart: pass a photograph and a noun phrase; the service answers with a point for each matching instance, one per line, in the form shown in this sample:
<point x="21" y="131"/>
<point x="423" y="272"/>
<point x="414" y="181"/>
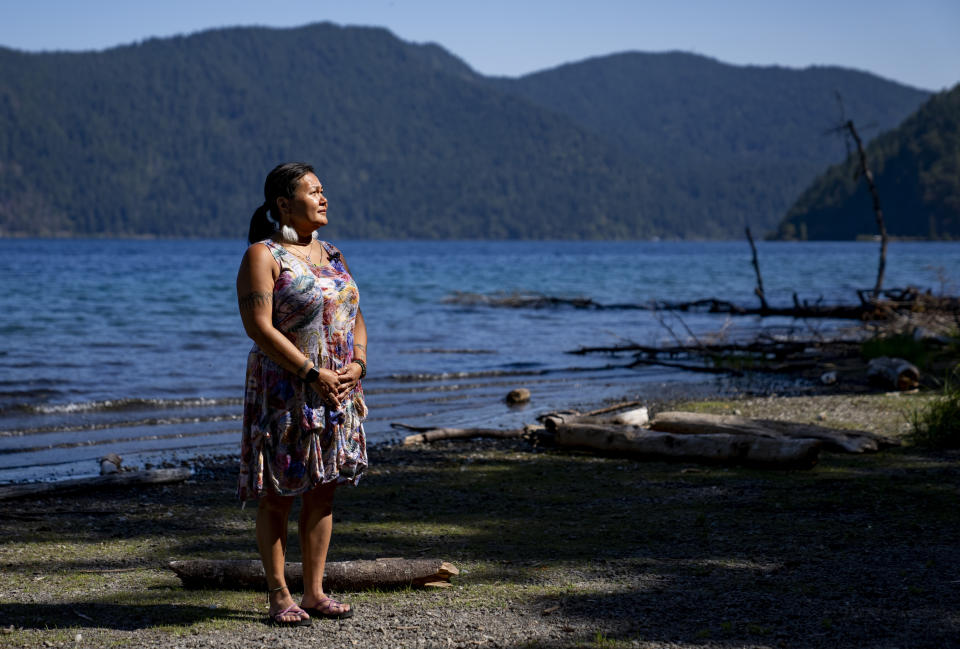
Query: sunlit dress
<point x="291" y="441"/>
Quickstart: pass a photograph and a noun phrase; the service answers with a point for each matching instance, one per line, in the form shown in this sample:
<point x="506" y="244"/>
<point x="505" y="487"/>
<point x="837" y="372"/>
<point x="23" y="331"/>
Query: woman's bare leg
<point x="272" y="514"/>
<point x="316" y="525"/>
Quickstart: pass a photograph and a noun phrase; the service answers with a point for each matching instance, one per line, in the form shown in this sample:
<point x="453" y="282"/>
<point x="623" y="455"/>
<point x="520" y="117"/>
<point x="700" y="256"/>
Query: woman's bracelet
<point x="363" y="366"/>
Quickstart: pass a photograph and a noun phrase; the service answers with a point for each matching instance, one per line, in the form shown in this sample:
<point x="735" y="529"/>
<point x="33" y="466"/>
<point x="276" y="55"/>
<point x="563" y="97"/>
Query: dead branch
<point x="706" y="369"/>
<point x="756" y="268"/>
<point x="613" y="408"/>
<point x="878" y="213"/>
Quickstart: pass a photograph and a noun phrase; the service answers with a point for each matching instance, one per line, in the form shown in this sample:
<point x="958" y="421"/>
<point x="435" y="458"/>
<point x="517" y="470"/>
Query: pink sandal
<point x="276" y="619"/>
<point x="330" y="609"/>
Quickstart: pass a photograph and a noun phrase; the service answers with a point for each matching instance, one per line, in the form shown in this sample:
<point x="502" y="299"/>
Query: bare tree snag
<point x="756" y="268"/>
<point x="131" y="478"/>
<point x="848" y="441"/>
<point x="878" y="213"/>
<point x="247" y="574"/>
<point x="721" y="449"/>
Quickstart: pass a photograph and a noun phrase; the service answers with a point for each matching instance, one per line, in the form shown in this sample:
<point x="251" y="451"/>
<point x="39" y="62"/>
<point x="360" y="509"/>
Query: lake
<point x="135" y="346"/>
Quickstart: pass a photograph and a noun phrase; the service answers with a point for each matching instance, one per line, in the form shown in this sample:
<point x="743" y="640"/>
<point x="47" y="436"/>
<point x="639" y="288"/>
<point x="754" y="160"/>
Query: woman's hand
<point x="327" y="386"/>
<point x="348" y="377"/>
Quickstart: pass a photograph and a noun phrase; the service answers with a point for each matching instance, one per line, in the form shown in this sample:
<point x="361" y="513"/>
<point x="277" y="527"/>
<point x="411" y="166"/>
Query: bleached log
<point x="718" y="448"/>
<point x="636" y="417"/>
<point x="895" y="372"/>
<point x="690" y="423"/>
<point x="247" y="574"/>
<point x="428" y="434"/>
<point x="132" y="478"/>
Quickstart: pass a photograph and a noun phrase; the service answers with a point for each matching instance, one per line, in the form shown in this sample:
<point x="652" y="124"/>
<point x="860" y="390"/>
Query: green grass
<point x="902" y="345"/>
<point x="937" y="424"/>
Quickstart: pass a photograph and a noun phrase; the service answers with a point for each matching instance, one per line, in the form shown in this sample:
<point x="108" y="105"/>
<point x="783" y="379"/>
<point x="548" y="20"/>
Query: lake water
<point x="136" y="347"/>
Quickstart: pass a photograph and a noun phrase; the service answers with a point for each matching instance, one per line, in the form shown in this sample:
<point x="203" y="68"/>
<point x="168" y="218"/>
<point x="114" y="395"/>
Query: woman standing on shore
<point x="303" y="404"/>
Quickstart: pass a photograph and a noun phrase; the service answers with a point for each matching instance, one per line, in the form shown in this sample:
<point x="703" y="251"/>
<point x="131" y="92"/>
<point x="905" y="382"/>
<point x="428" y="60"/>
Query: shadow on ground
<point x="859" y="551"/>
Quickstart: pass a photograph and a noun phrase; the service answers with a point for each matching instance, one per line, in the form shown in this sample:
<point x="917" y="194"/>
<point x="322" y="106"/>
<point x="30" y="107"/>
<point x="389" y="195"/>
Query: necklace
<point x="305" y="258"/>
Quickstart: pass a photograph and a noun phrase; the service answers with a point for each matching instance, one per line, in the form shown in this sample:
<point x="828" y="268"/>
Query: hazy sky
<point x="915" y="42"/>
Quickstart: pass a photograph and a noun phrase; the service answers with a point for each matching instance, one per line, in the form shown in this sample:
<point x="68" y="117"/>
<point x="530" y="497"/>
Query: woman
<point x="303" y="405"/>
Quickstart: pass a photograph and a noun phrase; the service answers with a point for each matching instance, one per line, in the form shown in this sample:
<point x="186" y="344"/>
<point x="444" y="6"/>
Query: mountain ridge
<point x="146" y="138"/>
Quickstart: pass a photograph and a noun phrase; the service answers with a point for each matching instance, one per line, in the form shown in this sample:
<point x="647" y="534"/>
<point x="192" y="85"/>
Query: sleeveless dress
<point x="291" y="441"/>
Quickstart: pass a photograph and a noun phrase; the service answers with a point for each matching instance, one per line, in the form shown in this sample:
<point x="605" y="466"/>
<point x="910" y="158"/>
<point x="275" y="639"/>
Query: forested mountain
<point x="741" y="141"/>
<point x="916" y="169"/>
<point x="173" y="137"/>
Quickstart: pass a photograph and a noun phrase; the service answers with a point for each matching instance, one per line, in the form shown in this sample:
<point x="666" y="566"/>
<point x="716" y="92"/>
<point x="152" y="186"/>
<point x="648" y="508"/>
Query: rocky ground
<point x="555" y="548"/>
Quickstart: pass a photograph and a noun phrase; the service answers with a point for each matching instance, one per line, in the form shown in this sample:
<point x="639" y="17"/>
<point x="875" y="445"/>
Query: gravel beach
<point x="555" y="548"/>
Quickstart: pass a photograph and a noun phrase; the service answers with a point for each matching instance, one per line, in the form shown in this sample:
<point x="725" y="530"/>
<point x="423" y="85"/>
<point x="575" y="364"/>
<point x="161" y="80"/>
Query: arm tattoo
<point x="362" y="348"/>
<point x="252" y="300"/>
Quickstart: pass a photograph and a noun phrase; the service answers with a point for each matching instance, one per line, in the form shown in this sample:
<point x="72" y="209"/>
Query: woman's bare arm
<point x="360" y="337"/>
<point x="350" y="374"/>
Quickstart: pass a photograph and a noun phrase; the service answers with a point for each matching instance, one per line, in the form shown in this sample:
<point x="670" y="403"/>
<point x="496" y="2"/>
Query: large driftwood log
<point x="153" y="476"/>
<point x="244" y="574"/>
<point x="722" y="448"/>
<point x="429" y="434"/>
<point x="895" y="372"/>
<point x="689" y="423"/>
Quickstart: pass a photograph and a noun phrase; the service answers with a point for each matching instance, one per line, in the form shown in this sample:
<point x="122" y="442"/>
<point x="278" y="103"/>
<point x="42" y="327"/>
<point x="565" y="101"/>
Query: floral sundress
<point x="291" y="442"/>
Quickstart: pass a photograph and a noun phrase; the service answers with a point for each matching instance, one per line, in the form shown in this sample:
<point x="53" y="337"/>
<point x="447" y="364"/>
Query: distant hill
<point x="916" y="168"/>
<point x="744" y="141"/>
<point x="173" y="136"/>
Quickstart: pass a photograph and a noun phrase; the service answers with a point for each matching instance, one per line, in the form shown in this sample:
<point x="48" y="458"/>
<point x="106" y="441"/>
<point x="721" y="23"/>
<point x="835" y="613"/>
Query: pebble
<point x="519" y="395"/>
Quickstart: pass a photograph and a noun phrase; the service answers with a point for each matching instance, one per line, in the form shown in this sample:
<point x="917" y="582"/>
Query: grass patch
<point x="937" y="425"/>
<point x="901" y="345"/>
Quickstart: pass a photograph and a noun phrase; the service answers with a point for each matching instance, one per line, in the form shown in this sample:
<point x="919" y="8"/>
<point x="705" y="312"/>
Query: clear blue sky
<point x="915" y="42"/>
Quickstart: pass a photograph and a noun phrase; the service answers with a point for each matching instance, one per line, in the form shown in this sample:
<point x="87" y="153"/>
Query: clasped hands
<point x="334" y="386"/>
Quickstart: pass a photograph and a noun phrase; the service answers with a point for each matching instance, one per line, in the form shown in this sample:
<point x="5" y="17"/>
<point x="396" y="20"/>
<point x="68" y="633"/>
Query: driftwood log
<point x="834" y="439"/>
<point x="153" y="476"/>
<point x="247" y="574"/>
<point x="715" y="448"/>
<point x="429" y="434"/>
<point x="895" y="372"/>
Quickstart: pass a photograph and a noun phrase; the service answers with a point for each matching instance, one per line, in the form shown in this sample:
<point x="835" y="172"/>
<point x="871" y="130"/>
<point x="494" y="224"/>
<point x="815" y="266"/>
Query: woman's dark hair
<point x="281" y="181"/>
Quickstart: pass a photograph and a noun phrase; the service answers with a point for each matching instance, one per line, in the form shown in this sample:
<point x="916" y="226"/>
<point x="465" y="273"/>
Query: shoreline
<point x="855" y="552"/>
<point x="651" y="392"/>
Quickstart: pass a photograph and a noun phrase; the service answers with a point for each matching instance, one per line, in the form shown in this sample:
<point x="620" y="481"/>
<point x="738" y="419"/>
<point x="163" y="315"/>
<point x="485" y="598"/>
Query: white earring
<point x="288" y="234"/>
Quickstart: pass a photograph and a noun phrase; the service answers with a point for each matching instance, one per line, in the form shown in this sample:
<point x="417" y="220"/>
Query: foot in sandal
<point x="283" y="610"/>
<point x="329" y="608"/>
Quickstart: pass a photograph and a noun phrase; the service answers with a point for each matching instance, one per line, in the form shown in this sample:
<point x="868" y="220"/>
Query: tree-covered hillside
<point x="741" y="139"/>
<point x="916" y="168"/>
<point x="173" y="137"/>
